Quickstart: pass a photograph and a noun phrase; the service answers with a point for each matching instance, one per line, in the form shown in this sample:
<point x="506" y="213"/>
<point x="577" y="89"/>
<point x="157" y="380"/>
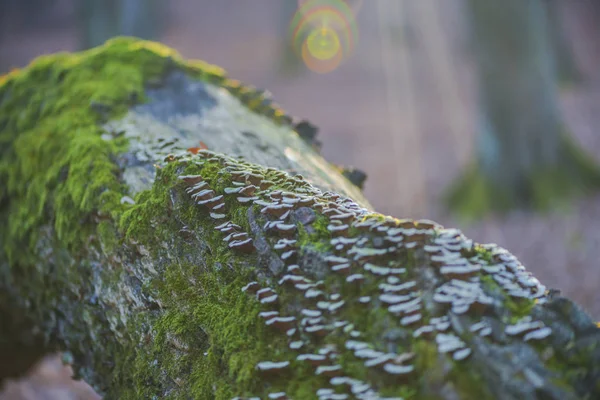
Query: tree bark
<point x="524" y="158"/>
<point x="172" y="271"/>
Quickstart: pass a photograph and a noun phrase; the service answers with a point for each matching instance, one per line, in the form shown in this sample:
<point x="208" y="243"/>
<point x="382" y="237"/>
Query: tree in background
<point x="524" y="157"/>
<point x="289" y="63"/>
<point x="101" y="20"/>
<point x="566" y="64"/>
<point x="26" y="14"/>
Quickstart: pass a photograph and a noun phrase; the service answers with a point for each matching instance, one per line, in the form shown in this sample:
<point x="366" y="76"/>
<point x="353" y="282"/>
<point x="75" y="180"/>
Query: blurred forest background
<point x="479" y="114"/>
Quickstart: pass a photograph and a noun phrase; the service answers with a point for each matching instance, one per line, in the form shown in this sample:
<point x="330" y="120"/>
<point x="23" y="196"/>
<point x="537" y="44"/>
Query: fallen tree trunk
<point x="169" y="270"/>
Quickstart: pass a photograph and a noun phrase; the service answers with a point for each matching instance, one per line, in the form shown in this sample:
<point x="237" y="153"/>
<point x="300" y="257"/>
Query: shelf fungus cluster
<point x="343" y="263"/>
<point x="203" y="195"/>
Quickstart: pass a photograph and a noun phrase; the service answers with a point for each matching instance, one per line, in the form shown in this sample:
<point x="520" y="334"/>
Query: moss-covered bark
<point x="199" y="274"/>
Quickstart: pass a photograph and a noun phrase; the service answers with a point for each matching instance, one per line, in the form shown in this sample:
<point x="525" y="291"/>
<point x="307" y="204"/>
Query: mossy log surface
<point x="250" y="270"/>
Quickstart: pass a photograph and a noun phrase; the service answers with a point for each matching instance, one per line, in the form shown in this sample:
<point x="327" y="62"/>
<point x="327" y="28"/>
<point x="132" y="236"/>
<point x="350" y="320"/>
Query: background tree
<point x="289" y="62"/>
<point x="524" y="155"/>
<point x="566" y="64"/>
<point x="101" y="20"/>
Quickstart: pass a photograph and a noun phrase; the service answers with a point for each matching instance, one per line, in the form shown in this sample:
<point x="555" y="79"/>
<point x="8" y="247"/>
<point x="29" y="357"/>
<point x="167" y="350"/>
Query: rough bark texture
<point x="169" y="271"/>
<point x="524" y="157"/>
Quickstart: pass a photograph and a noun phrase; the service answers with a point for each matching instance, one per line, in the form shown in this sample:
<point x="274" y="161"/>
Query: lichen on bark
<point x="170" y="274"/>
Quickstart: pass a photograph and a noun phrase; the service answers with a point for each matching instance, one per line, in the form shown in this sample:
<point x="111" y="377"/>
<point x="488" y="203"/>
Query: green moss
<point x="485" y="254"/>
<point x="518" y="308"/>
<point x="148" y="218"/>
<point x="319" y="239"/>
<point x="58" y="172"/>
<point x="108" y="237"/>
<point x="56" y="167"/>
<point x="234" y="337"/>
<point x="435" y="369"/>
<point x="469" y="383"/>
<point x="514" y="308"/>
<point x="219" y="326"/>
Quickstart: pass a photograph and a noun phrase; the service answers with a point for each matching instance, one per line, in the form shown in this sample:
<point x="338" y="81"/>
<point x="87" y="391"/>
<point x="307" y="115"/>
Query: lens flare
<point x="323" y="34"/>
<point x="323" y="43"/>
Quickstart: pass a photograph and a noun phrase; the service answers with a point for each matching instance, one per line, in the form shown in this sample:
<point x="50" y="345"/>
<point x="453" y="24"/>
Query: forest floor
<point x="412" y="140"/>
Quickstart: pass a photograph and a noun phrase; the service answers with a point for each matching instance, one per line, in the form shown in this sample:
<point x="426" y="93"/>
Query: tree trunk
<point x="566" y="64"/>
<point x="168" y="270"/>
<point x="103" y="19"/>
<point x="523" y="157"/>
<point x="290" y="64"/>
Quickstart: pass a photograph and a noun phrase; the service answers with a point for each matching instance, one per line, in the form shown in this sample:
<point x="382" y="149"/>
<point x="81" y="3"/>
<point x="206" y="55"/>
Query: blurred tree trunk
<point x="523" y="157"/>
<point x="103" y="19"/>
<point x="289" y="64"/>
<point x="566" y="64"/>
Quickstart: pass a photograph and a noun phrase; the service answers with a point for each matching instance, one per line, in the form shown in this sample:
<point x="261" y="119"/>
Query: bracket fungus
<point x="340" y="265"/>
